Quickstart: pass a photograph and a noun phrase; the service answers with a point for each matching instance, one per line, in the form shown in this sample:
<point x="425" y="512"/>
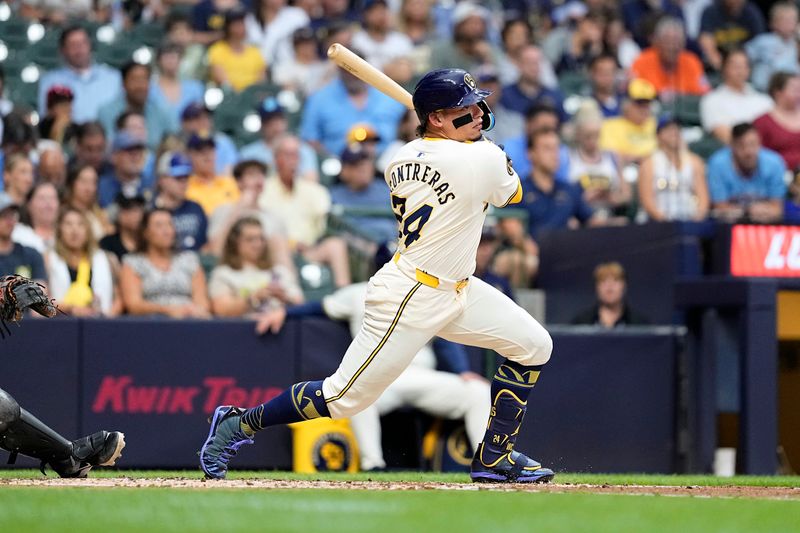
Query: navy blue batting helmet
<point x="447" y="88"/>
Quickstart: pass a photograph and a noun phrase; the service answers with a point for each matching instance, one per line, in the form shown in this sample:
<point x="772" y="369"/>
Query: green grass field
<point x="213" y="508"/>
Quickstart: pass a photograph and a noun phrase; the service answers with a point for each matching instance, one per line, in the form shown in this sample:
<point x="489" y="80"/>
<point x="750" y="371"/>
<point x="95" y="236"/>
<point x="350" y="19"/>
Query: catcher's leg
<point x="21" y="432"/>
<point x="492" y="320"/>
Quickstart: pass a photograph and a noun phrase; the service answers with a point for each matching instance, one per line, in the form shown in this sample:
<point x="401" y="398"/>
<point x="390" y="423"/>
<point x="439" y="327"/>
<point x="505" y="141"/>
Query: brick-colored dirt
<point x="782" y="493"/>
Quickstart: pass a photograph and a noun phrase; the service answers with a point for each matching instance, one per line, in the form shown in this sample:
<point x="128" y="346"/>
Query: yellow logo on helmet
<point x="470" y="81"/>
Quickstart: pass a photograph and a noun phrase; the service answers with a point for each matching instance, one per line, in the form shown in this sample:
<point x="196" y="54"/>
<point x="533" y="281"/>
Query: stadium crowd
<point x="204" y="158"/>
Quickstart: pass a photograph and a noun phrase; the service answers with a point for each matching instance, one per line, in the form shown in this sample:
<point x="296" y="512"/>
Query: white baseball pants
<point x="403" y="314"/>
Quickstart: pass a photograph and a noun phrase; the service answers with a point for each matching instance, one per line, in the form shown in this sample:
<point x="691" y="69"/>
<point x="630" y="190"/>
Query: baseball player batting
<point x="441" y="185"/>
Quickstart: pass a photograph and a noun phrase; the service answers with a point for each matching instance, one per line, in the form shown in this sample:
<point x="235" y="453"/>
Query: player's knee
<point x="9" y="410"/>
<point x="540" y="348"/>
<point x="546" y="349"/>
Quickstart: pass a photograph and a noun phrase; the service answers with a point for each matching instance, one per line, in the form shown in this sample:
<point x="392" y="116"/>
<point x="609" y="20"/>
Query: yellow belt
<point x="428" y="279"/>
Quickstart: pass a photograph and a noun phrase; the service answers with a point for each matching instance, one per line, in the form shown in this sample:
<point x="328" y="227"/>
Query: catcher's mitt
<point x="18" y="293"/>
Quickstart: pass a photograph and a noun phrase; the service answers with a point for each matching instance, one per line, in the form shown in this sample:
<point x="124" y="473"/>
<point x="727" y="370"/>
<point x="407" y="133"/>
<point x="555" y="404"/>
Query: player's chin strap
<point x="487" y="118"/>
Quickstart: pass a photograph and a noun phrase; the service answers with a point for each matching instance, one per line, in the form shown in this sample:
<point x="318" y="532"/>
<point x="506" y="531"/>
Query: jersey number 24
<point x="411" y="225"/>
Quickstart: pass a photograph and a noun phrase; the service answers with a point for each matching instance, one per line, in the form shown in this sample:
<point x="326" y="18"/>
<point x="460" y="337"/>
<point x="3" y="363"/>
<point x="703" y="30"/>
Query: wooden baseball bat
<point x="362" y="70"/>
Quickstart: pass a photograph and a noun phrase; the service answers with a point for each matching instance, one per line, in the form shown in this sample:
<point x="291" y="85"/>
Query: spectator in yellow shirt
<point x="632" y="136"/>
<point x="232" y="62"/>
<point x="205" y="187"/>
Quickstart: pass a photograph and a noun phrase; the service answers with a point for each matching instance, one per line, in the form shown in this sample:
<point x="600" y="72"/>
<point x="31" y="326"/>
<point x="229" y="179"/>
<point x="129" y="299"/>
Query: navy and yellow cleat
<point x="512" y="467"/>
<point x="224" y="440"/>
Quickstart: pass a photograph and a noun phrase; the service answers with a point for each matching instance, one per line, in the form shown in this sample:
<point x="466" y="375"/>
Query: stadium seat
<point x="208" y="262"/>
<point x="252" y="96"/>
<point x="686" y="109"/>
<point x="316" y="280"/>
<point x="230" y="113"/>
<point x="14" y="32"/>
<point x="23" y="94"/>
<point x="706" y="146"/>
<point x="573" y="83"/>
<point x="116" y="54"/>
<point x="45" y="54"/>
<point x="146" y="34"/>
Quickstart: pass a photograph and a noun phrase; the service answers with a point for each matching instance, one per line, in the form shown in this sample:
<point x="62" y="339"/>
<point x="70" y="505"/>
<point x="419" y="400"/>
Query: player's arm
<point x="336" y="306"/>
<point x="495" y="177"/>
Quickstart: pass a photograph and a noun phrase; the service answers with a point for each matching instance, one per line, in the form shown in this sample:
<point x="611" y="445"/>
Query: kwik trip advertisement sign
<point x="770" y="251"/>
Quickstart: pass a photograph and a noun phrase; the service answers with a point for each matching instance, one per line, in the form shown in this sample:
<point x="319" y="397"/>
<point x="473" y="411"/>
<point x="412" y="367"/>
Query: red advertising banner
<point x="770" y="251"/>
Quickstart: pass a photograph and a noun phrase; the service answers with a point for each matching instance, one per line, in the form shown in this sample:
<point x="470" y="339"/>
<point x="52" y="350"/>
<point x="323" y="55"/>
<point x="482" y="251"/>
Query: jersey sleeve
<point x="495" y="178"/>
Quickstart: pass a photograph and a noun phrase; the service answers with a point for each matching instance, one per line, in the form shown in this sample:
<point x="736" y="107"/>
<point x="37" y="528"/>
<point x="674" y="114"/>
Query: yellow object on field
<point x="324" y="445"/>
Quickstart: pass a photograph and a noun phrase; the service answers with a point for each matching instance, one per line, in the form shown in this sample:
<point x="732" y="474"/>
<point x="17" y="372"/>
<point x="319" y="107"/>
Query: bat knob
<point x="333" y="50"/>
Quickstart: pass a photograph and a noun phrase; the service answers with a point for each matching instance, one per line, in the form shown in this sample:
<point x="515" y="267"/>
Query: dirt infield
<point x="780" y="493"/>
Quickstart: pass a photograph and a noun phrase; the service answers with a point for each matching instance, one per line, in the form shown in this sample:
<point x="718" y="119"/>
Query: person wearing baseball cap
<point x="128" y="158"/>
<point x="191" y="223"/>
<point x="205" y="186"/>
<point x="383" y="46"/>
<point x="358" y="187"/>
<point x="57" y="123"/>
<point x="366" y="136"/>
<point x="14" y="257"/>
<point x="274" y="125"/>
<point x="632" y="136"/>
<point x="196" y="117"/>
<point x="470" y="44"/>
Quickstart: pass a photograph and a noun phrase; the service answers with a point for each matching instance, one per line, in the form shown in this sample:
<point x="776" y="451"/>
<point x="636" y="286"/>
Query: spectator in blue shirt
<point x="93" y="85"/>
<point x="275" y="125"/>
<point x="191" y="224"/>
<point x="551" y="204"/>
<point x="538" y="117"/>
<point x="775" y="51"/>
<point x="746" y="181"/>
<point x="135" y="97"/>
<point x="168" y="89"/>
<point x="359" y="188"/>
<point x="528" y="90"/>
<point x="197" y="119"/>
<point x="126" y="176"/>
<point x="334" y="109"/>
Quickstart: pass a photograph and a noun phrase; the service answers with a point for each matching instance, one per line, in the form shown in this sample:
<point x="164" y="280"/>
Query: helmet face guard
<point x="448" y="89"/>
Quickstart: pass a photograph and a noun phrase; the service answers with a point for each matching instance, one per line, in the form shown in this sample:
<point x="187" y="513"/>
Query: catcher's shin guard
<point x="9" y="412"/>
<point x="511" y="386"/>
<point x="27" y="435"/>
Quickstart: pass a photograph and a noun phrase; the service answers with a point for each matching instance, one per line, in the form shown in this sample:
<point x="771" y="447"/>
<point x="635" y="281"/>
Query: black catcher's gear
<point x="18" y="293"/>
<point x="21" y="432"/>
